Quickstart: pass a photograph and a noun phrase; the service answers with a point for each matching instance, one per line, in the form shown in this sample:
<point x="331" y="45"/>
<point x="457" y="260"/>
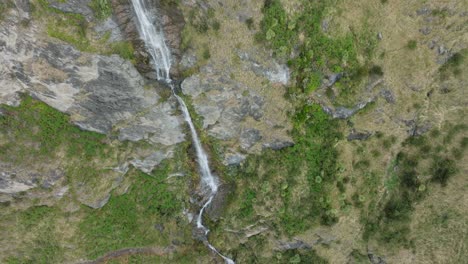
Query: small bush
<point x="442" y="169"/>
<point x="250" y="23"/>
<point x="412" y="44"/>
<point x="206" y="53"/>
<point x="376" y="70"/>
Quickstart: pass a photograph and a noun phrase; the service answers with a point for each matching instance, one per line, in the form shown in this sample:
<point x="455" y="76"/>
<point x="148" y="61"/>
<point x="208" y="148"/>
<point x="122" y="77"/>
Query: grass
<point x="34" y="122"/>
<point x="128" y="219"/>
<point x="69" y="27"/>
<point x="43" y="247"/>
<point x="453" y="65"/>
<point x="317" y="52"/>
<point x="416" y="167"/>
<point x="313" y="157"/>
<point x="124" y="49"/>
<point x="4" y="6"/>
<point x="102" y="8"/>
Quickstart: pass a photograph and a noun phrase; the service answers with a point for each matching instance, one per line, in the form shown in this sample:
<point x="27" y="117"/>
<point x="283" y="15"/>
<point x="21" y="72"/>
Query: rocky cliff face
<point x="105" y="94"/>
<point x="110" y="95"/>
<point x="101" y="93"/>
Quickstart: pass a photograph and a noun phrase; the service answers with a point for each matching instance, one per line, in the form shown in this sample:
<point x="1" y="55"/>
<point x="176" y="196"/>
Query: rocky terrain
<point x="337" y="128"/>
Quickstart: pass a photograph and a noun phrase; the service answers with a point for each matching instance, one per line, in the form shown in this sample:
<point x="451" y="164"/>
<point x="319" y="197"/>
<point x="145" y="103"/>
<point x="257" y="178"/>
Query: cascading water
<point x="153" y="36"/>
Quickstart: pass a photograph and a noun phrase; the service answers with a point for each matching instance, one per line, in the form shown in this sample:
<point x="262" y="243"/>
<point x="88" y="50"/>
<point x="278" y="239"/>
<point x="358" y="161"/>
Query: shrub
<point x="206" y="53"/>
<point x="442" y="169"/>
<point x="250" y="23"/>
<point x="412" y="44"/>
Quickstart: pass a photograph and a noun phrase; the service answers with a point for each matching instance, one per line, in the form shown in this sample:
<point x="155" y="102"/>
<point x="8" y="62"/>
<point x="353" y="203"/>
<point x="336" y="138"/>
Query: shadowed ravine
<point x="153" y="36"/>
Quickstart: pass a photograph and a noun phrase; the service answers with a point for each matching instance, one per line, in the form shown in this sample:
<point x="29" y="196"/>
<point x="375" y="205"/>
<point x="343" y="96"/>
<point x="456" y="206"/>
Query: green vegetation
<point x="43" y="248"/>
<point x="128" y="219"/>
<point x="313" y="157"/>
<point x="299" y="256"/>
<point x="124" y="49"/>
<point x="318" y="53"/>
<point x="4" y="6"/>
<point x="412" y="44"/>
<point x="74" y="29"/>
<point x="423" y="159"/>
<point x="68" y="27"/>
<point x="35" y="122"/>
<point x="249" y="22"/>
<point x="453" y="65"/>
<point x="203" y="20"/>
<point x="102" y="8"/>
<point x="33" y="216"/>
<point x="206" y="53"/>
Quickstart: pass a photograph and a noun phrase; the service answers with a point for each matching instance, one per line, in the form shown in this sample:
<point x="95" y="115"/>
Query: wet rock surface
<point x="172" y="20"/>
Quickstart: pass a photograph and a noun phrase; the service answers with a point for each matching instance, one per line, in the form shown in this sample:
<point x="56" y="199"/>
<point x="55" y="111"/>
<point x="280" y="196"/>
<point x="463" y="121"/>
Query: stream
<point x="150" y="29"/>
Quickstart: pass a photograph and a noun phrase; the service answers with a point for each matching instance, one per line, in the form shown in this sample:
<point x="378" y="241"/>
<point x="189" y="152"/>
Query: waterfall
<point x="153" y="36"/>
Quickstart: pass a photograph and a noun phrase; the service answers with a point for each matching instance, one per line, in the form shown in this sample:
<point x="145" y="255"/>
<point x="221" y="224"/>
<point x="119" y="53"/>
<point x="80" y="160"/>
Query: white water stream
<point x="151" y="32"/>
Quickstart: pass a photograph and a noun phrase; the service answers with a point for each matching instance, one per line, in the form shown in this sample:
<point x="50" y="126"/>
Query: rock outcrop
<point x="234" y="113"/>
<point x="105" y="94"/>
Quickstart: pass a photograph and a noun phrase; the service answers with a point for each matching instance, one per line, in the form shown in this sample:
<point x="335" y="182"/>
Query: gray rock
<point x="233" y="159"/>
<point x="379" y="36"/>
<point x="425" y="30"/>
<point x="423" y="11"/>
<point x="99" y="92"/>
<point x="157" y="125"/>
<point x="374" y="259"/>
<point x="441" y="50"/>
<point x="24" y="9"/>
<point x="274" y="72"/>
<point x="109" y="25"/>
<point x="416" y="128"/>
<point x="388" y="96"/>
<point x="333" y="78"/>
<point x="432" y="44"/>
<point x="210" y="114"/>
<point x="74" y="6"/>
<point x="249" y="137"/>
<point x="148" y="164"/>
<point x="297" y="244"/>
<point x="341" y="112"/>
<point x="192" y="86"/>
<point x="159" y="227"/>
<point x="188" y="60"/>
<point x="355" y="135"/>
<point x="278" y="144"/>
<point x="98" y="203"/>
<point x="10" y="185"/>
<point x="325" y="25"/>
